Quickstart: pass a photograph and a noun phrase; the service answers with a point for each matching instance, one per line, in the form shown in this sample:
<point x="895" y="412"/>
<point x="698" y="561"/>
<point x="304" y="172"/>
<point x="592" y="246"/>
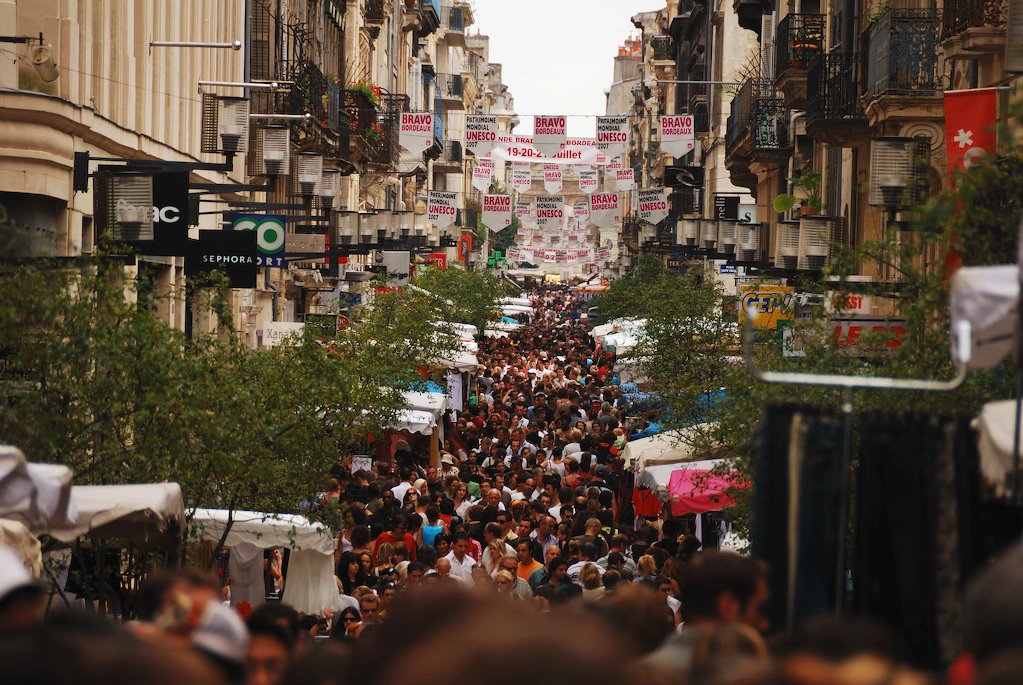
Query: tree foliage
<point x="462" y="296"/>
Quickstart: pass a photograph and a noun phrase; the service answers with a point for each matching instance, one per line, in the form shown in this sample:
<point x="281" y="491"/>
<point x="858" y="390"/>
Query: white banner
<point x="583" y="151"/>
<point x="614" y="165"/>
<point x="549" y="134"/>
<point x="415" y="132"/>
<point x="588" y="181"/>
<point x="524" y="212"/>
<point x="604" y="209"/>
<point x="482" y="174"/>
<point x="497" y="212"/>
<point x="626" y="179"/>
<point x="550" y="211"/>
<point x="441" y="208"/>
<point x="581" y="212"/>
<point x="552" y="178"/>
<point x="677" y="135"/>
<point x="480" y="133"/>
<point x="652" y="205"/>
<point x="613" y="134"/>
<point x="522" y="177"/>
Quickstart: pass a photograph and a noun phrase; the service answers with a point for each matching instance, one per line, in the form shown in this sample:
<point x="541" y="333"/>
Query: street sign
<point x="773" y="303"/>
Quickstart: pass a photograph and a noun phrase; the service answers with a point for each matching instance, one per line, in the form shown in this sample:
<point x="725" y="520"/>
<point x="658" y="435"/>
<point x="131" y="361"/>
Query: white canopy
<point x="37" y="495"/>
<point x="309" y="585"/>
<point x="656" y="477"/>
<point x="987" y="297"/>
<point x="996" y="427"/>
<point x="460" y="360"/>
<point x="493" y="333"/>
<point x="413" y="421"/>
<point x="671" y="447"/>
<point x="510" y="309"/>
<point x="264" y="530"/>
<point x="436" y="403"/>
<point x="522" y="301"/>
<point x="598" y="333"/>
<point x="503" y="326"/>
<point x="146" y="514"/>
<point x="465" y="330"/>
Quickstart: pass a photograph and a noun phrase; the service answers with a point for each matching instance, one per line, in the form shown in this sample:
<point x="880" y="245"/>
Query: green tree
<point x="462" y="296"/>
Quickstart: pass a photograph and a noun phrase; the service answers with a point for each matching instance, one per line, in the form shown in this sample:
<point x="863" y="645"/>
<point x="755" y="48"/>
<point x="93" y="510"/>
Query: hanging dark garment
<point x="796" y="497"/>
<point x="917" y="535"/>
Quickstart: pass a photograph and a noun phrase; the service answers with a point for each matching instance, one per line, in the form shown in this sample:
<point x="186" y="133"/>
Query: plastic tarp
<point x="671" y="447"/>
<point x="309" y="585"/>
<point x="147" y="514"/>
<point x="996" y="428"/>
<point x="987" y="297"/>
<point x="37" y="495"/>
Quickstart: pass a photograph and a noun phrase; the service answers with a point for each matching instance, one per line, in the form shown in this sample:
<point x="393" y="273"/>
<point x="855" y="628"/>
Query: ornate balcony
<point x="973" y="26"/>
<point x="384" y="151"/>
<point x="451" y="90"/>
<point x="757" y="132"/>
<point x="453" y="21"/>
<point x="662" y="56"/>
<point x="833" y="111"/>
<point x="451" y="159"/>
<point x="430" y="14"/>
<point x="902" y="82"/>
<point x="374" y="16"/>
<point x="799" y="40"/>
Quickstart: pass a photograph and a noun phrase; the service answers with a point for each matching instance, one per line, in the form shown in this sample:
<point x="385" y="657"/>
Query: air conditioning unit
<point x="786" y="254"/>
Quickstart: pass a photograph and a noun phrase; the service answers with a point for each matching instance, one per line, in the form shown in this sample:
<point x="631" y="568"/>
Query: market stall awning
<point x="987" y="297"/>
<point x="414" y="421"/>
<point x="37" y="495"/>
<point x="294" y="531"/>
<point x="522" y="301"/>
<point x="690" y="488"/>
<point x="147" y="514"/>
<point x="671" y="447"/>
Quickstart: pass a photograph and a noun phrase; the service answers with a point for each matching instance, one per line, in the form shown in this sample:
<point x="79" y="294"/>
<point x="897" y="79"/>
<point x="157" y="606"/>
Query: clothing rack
<point x="849" y="383"/>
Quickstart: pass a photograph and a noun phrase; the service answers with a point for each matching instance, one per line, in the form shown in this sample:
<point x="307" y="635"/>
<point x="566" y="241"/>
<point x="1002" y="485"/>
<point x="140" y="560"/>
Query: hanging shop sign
<point x="549" y="134"/>
<point x="522" y="177"/>
<point x="652" y="205"/>
<point x="613" y="134"/>
<point x="415" y="131"/>
<point x="438" y="260"/>
<point x="232" y="253"/>
<point x="678" y="137"/>
<point x="482" y="175"/>
<point x="480" y="133"/>
<point x="171" y="215"/>
<point x="464" y="247"/>
<point x="604" y="209"/>
<point x="726" y="207"/>
<point x="588" y="181"/>
<point x="497" y="212"/>
<point x="773" y="303"/>
<point x="441" y="208"/>
<point x="625" y="179"/>
<point x="524" y="213"/>
<point x="550" y="211"/>
<point x="270" y="236"/>
<point x="552" y="178"/>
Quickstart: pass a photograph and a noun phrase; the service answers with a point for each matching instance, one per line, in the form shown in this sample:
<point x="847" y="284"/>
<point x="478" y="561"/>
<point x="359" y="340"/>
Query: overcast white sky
<point x="558" y="55"/>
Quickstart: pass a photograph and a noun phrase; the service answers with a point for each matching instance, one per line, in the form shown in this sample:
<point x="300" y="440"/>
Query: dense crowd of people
<point x="515" y="559"/>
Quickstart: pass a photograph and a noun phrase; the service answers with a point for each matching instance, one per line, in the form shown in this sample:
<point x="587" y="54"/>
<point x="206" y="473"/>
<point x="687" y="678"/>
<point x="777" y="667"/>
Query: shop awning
<point x="671" y="447"/>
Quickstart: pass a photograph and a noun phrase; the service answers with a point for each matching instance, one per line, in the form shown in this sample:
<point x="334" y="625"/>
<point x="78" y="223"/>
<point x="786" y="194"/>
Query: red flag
<point x="970" y="133"/>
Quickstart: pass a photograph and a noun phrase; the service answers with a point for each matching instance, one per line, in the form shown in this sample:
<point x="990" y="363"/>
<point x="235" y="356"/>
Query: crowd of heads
<point x="510" y="558"/>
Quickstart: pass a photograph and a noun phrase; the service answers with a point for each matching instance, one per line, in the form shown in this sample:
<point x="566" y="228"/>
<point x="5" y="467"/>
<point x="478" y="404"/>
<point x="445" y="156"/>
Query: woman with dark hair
<point x="434" y="525"/>
<point x="350" y="572"/>
<point x="347" y="624"/>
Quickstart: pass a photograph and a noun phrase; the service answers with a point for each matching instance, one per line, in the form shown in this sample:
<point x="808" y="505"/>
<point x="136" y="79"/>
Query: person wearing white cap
<point x="22" y="597"/>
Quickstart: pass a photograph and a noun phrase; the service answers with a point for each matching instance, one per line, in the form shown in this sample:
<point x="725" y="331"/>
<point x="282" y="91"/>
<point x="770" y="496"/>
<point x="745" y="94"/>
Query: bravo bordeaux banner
<point x="441" y="209"/>
<point x="613" y="134"/>
<point x="549" y="134"/>
<point x="604" y="209"/>
<point x="415" y="132"/>
<point x="652" y="205"/>
<point x="552" y="178"/>
<point x="497" y="212"/>
<point x="677" y="135"/>
<point x="480" y="133"/>
<point x="550" y="211"/>
<point x="522" y="177"/>
<point x="482" y="174"/>
<point x="626" y="179"/>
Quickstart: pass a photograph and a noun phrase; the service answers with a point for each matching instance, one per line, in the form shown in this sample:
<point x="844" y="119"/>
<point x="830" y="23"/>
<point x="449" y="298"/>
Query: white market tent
<point x="147" y="514"/>
<point x="521" y="301"/>
<point x="634" y="326"/>
<point x="671" y="447"/>
<point x="309" y="585"/>
<point x="657" y="476"/>
<point x="459" y="360"/>
<point x="996" y="427"/>
<point x="37" y="495"/>
<point x="512" y="309"/>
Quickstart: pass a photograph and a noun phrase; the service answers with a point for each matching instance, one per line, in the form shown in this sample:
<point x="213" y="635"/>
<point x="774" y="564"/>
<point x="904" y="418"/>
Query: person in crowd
<point x="270" y="648"/>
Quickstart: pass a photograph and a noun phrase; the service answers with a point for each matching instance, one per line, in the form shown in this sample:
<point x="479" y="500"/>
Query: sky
<point x="558" y="55"/>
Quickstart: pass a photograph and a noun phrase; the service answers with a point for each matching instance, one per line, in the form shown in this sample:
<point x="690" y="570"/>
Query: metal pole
<point x="843" y="504"/>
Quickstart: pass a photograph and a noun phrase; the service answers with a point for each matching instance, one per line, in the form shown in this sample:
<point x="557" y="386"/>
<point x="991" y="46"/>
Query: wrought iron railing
<point x="453" y="152"/>
<point x="833" y="88"/>
<point x="309" y="92"/>
<point x="770" y="125"/>
<point x="661" y="48"/>
<point x="375" y="12"/>
<point x="959" y="15"/>
<point x="450" y="85"/>
<point x="757" y="113"/>
<point x="454" y="19"/>
<point x="903" y="54"/>
<point x="799" y="39"/>
<point x="385" y="146"/>
<point x="361" y="110"/>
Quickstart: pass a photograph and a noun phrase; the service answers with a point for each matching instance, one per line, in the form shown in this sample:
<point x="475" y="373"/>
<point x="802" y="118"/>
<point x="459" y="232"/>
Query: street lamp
<point x="690" y="231"/>
<point x="749" y="242"/>
<point x="726" y="235"/>
<point x="787" y="256"/>
<point x="709" y="233"/>
<point x="125" y="205"/>
<point x="330" y="187"/>
<point x="308" y="175"/>
<point x="275" y="142"/>
<point x="234" y="124"/>
<point x="346" y="226"/>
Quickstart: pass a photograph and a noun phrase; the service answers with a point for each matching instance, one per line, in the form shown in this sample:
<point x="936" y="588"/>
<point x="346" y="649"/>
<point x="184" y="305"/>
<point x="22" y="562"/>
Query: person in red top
<point x="397" y="536"/>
